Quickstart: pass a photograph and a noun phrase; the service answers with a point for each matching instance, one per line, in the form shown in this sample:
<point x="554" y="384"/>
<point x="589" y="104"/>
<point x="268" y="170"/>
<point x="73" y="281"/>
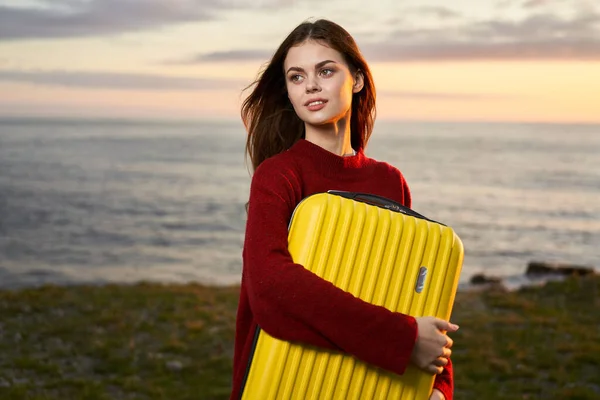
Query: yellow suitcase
<point x="400" y="260"/>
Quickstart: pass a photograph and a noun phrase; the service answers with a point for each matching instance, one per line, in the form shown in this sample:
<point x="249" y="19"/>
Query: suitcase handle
<point x="380" y="201"/>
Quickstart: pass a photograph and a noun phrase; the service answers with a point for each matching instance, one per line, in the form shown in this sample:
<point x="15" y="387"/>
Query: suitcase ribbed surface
<point x="387" y="251"/>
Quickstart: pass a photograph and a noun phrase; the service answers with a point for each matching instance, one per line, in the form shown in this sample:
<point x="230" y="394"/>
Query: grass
<point x="538" y="343"/>
<point x="117" y="342"/>
<point x="151" y="341"/>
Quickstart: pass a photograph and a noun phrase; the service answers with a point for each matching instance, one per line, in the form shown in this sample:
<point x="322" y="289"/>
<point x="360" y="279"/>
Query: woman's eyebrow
<point x="317" y="66"/>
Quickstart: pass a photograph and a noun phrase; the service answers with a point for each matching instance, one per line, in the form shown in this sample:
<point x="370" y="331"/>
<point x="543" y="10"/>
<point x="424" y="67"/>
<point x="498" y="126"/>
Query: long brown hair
<point x="268" y="114"/>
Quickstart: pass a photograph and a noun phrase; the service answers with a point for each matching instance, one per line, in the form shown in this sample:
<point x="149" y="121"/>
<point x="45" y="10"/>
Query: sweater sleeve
<point x="444" y="382"/>
<point x="291" y="303"/>
<point x="406" y="196"/>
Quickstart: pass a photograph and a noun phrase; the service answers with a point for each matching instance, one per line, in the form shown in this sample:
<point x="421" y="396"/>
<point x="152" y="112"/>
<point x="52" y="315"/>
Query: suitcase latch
<point x="421" y="279"/>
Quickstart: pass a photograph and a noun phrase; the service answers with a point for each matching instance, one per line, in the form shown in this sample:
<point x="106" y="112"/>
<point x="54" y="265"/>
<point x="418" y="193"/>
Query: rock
<point x="548" y="268"/>
<point x="174" y="365"/>
<point x="480" y="279"/>
<point x="483" y="282"/>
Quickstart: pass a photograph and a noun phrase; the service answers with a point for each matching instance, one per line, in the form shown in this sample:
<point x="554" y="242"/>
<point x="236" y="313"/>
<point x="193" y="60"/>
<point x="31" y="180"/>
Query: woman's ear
<point x="359" y="82"/>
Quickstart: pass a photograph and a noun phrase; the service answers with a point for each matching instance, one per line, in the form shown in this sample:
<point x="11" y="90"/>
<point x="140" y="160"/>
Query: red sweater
<point x="291" y="303"/>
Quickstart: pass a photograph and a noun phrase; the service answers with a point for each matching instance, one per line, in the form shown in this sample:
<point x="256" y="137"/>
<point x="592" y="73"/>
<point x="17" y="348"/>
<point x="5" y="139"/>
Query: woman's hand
<point x="437" y="395"/>
<point x="432" y="348"/>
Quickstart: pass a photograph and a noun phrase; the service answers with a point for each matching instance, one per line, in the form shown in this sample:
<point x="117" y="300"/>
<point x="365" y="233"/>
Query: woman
<point x="309" y="118"/>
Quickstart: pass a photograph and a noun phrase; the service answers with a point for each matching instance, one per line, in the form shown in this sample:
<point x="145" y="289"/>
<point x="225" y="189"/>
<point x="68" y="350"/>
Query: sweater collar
<point x="326" y="159"/>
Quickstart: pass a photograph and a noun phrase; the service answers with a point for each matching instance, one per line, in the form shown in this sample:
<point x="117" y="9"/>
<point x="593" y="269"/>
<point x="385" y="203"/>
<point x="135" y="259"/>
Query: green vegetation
<point x="538" y="343"/>
<point x="151" y="341"/>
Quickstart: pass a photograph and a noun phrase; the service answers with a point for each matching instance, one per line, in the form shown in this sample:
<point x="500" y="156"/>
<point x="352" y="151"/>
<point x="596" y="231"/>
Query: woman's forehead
<point x="310" y="53"/>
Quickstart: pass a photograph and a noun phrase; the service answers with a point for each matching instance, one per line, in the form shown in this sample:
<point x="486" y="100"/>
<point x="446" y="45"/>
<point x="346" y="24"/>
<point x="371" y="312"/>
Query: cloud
<point x="534" y="27"/>
<point x="526" y="4"/>
<point x="95" y="17"/>
<point x="529" y="51"/>
<point x="529" y="5"/>
<point x="535" y="3"/>
<point x="78" y="18"/>
<point x="226" y="56"/>
<point x="118" y="81"/>
<point x="538" y="36"/>
<point x="438" y="12"/>
<point x="503" y="4"/>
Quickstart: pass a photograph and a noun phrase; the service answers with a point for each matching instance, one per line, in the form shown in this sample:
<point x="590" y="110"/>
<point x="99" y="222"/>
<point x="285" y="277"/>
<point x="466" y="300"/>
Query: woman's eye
<point x="326" y="72"/>
<point x="296" y="78"/>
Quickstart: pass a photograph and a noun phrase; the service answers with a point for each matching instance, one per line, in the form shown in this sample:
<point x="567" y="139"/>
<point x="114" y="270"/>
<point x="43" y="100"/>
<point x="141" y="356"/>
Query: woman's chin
<point x="320" y="120"/>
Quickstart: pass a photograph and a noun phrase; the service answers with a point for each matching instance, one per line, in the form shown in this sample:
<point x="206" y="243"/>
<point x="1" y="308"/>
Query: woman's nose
<point x="312" y="85"/>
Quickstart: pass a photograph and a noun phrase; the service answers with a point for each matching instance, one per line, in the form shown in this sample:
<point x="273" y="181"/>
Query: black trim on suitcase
<point x="254" y="341"/>
<point x="382" y="202"/>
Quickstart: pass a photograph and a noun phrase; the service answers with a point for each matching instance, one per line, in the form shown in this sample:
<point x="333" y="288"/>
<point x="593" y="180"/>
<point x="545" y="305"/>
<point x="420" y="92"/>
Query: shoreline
<point x="510" y="283"/>
<point x="463" y="287"/>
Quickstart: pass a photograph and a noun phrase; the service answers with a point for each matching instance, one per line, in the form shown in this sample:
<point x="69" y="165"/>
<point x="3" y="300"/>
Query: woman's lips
<point x="316" y="105"/>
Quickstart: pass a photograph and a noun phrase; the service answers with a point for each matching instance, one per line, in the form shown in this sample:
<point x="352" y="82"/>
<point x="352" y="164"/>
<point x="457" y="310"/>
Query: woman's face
<point x="319" y="83"/>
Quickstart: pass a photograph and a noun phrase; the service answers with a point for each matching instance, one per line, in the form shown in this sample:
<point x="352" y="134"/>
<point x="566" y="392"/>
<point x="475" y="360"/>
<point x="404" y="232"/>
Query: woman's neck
<point x="334" y="137"/>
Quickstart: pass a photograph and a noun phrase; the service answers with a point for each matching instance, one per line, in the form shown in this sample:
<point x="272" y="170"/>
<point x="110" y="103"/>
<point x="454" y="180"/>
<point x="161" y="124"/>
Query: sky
<point x="432" y="60"/>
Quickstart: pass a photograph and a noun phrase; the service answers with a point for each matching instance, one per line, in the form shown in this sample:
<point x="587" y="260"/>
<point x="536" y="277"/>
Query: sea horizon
<point x="236" y="119"/>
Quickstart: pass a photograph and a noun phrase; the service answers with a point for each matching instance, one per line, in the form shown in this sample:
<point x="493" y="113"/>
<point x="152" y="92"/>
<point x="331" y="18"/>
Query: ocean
<point x="86" y="201"/>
